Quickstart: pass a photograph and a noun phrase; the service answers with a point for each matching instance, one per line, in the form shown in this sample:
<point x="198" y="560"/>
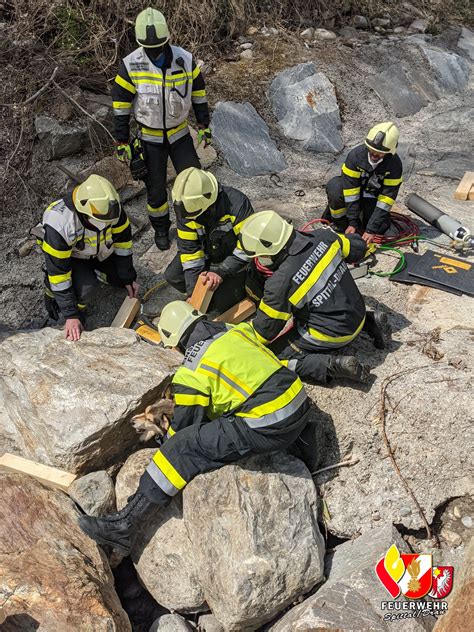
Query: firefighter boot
<point x="347" y="368"/>
<point x="161" y="226"/>
<point x="117" y="529"/>
<point x="375" y="323"/>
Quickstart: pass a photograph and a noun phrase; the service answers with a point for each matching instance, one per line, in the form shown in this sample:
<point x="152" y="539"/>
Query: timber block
<point x="49" y="476"/>
<point x="465" y="187"/>
<point x="127" y="312"/>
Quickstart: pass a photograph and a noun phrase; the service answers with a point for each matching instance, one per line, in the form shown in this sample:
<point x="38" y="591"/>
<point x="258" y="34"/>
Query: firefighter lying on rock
<point x="232" y="398"/>
<point x="305" y="276"/>
<point x="85" y="237"/>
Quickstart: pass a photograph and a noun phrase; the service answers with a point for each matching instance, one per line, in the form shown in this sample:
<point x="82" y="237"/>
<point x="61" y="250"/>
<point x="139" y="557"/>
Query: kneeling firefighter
<point x="209" y="218"/>
<point x="232" y="398"/>
<point x="305" y="276"/>
<point x="159" y="82"/>
<point x="85" y="237"/>
<point x="361" y="198"/>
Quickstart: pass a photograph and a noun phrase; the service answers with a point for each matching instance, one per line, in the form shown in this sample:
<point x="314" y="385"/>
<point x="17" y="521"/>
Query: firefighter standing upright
<point x="360" y="199"/>
<point x="159" y="83"/>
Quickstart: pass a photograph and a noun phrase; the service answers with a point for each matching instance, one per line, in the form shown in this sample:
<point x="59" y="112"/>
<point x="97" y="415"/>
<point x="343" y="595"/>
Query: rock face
<point x="243" y="137"/>
<point x="170" y="623"/>
<point x="253" y="527"/>
<point x="350" y="599"/>
<point x="69" y="404"/>
<point x="305" y="105"/>
<point x="52" y="576"/>
<point x="163" y="554"/>
<point x="94" y="493"/>
<point x="61" y="139"/>
<point x="466" y="42"/>
<point x="451" y="70"/>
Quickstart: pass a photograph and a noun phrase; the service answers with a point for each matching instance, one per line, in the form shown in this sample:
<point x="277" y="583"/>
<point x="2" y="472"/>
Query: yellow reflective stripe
<point x="346" y="245"/>
<point x="119" y="229"/>
<point x="171" y="432"/>
<point x="191" y="400"/>
<point x="261" y="339"/>
<point x="350" y="172"/>
<point x="163" y="207"/>
<point x="198" y="93"/>
<point x="59" y="278"/>
<point x="353" y="191"/>
<point x="335" y="339"/>
<point x="284" y="362"/>
<point x="386" y="199"/>
<point x="393" y="182"/>
<point x="315" y="274"/>
<point x="338" y="211"/>
<point x="184" y="234"/>
<point x="169" y="471"/>
<point x="238" y="226"/>
<point x="125" y="84"/>
<point x="280" y="402"/>
<point x="193" y="225"/>
<point x="196" y="72"/>
<point x="224" y="218"/>
<point x="59" y="254"/>
<point x="152" y="132"/>
<point x="229" y="375"/>
<point x="170" y="132"/>
<point x="123" y="244"/>
<point x="273" y="313"/>
<point x="195" y="255"/>
<point x="118" y="105"/>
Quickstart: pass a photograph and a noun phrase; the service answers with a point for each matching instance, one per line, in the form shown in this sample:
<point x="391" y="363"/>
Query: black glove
<point x="51" y="307"/>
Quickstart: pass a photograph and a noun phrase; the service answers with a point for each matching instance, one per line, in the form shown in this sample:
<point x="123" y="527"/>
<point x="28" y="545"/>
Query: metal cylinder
<point x="431" y="214"/>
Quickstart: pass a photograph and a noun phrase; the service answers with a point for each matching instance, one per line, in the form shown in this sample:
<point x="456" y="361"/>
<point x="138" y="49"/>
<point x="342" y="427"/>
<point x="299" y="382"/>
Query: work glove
<point x="124" y="152"/>
<point x="204" y="135"/>
<point x="51" y="307"/>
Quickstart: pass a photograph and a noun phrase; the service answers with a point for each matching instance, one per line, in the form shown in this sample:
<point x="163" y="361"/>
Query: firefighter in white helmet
<point x="360" y="199"/>
<point x="159" y="82"/>
<point x="209" y="216"/>
<point x="84" y="236"/>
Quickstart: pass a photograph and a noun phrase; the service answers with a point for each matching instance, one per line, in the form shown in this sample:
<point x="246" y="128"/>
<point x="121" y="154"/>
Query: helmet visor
<point x="113" y="212"/>
<point x="377" y="143"/>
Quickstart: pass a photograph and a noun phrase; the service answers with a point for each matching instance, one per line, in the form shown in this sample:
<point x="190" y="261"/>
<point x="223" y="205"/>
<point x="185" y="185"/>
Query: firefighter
<point x="232" y="398"/>
<point x="209" y="217"/>
<point x="307" y="278"/>
<point x="159" y="82"/>
<point x="85" y="235"/>
<point x="361" y="198"/>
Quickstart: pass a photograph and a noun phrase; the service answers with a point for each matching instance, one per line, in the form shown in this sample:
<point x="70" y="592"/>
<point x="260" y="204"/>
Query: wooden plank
<point x="50" y="476"/>
<point x="201" y="296"/>
<point x="471" y="194"/>
<point x="127" y="312"/>
<point x="237" y="313"/>
<point x="464" y="187"/>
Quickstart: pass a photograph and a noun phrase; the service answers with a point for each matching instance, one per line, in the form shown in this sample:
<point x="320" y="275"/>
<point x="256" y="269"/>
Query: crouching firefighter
<point x="232" y="398"/>
<point x="84" y="237"/>
<point x="209" y="217"/>
<point x="305" y="276"/>
<point x="160" y="83"/>
<point x="361" y="198"/>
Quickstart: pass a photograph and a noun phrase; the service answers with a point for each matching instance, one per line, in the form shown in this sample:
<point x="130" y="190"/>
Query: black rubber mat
<point x="452" y="272"/>
<point x="405" y="277"/>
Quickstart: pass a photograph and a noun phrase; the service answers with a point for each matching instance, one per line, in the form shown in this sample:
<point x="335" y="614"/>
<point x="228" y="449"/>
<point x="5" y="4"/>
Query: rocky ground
<point x="245" y="542"/>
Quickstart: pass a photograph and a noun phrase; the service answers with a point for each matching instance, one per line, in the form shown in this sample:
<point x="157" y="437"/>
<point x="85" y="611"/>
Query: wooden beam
<point x="464" y="187"/>
<point x="237" y="313"/>
<point x="50" y="476"/>
<point x="201" y="296"/>
<point x="127" y="312"/>
<point x="471" y="194"/>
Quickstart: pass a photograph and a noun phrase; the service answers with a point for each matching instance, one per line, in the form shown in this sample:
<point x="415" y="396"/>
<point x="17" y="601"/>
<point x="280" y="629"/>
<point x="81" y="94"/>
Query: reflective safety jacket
<point x="213" y="236"/>
<point x="314" y="285"/>
<point x="227" y="372"/>
<point x="67" y="234"/>
<point x="361" y="180"/>
<point x="159" y="97"/>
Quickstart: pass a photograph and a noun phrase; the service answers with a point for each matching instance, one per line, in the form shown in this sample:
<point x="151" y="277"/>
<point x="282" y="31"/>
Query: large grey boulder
<point x="52" y="576"/>
<point x="60" y="139"/>
<point x="243" y="137"/>
<point x="69" y="404"/>
<point x="450" y="69"/>
<point x="253" y="527"/>
<point x="404" y="90"/>
<point x="163" y="554"/>
<point x="94" y="493"/>
<point x="350" y="599"/>
<point x="466" y="42"/>
<point x="305" y="106"/>
<point x="170" y="623"/>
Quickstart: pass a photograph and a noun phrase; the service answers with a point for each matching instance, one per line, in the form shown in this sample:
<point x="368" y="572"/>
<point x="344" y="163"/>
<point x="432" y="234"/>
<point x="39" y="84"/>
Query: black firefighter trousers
<point x="183" y="155"/>
<point x="208" y="446"/>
